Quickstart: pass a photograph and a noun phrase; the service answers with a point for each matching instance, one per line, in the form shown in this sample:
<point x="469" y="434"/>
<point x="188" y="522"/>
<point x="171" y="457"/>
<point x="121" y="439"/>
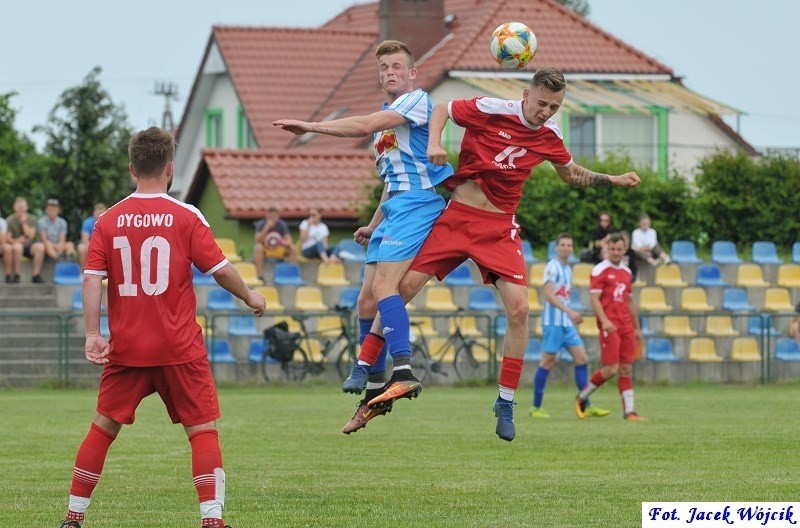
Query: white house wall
<point x="691" y="138"/>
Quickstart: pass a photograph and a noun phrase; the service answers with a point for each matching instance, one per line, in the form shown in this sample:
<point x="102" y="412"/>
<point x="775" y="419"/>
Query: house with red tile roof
<point x="234" y="164"/>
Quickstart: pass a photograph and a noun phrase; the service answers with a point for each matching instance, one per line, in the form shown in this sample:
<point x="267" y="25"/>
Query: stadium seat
<point x="533" y="300"/>
<point x="527" y="252"/>
<point x="439" y="299"/>
<point x="329" y="325"/>
<point x="678" y="326"/>
<point x="460" y="276"/>
<point x="536" y="275"/>
<point x="684" y="252"/>
<point x="564" y="356"/>
<point x="765" y="252"/>
<point x="582" y="274"/>
<point x="255" y="351"/>
<point x="270" y="294"/>
<point x="551" y="254"/>
<point x="309" y="299"/>
<point x="348" y="297"/>
<point x="483" y="299"/>
<point x="331" y="274"/>
<point x="351" y="251"/>
<point x="660" y="349"/>
<point x="77" y="300"/>
<point x="220" y="299"/>
<point x="440" y="350"/>
<point x="67" y="274"/>
<point x="202" y="321"/>
<point x="288" y="274"/>
<point x="423" y="325"/>
<point x="500" y="325"/>
<point x="201" y="279"/>
<point x="695" y="300"/>
<point x="643" y="326"/>
<point x="533" y="350"/>
<point x="735" y="299"/>
<point x="243" y="326"/>
<point x="745" y="349"/>
<point x="796" y="252"/>
<point x="588" y="327"/>
<point x="220" y="352"/>
<point x="789" y="276"/>
<point x="249" y="274"/>
<point x="709" y="275"/>
<point x="702" y="349"/>
<point x="669" y="276"/>
<point x="787" y="349"/>
<point x="105" y="330"/>
<point x="758" y="324"/>
<point x="652" y="299"/>
<point x="720" y="326"/>
<point x="778" y="300"/>
<point x="724" y="252"/>
<point x="228" y="247"/>
<point x="575" y="301"/>
<point x="750" y="276"/>
<point x="535" y="328"/>
<point x="467" y="323"/>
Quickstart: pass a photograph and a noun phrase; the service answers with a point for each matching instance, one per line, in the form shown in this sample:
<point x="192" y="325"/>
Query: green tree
<point x="21" y="167"/>
<point x="87" y="138"/>
<point x="581" y="7"/>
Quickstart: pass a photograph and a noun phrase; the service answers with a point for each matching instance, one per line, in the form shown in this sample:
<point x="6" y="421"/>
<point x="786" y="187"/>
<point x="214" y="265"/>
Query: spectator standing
<point x="21" y="236"/>
<point x="599" y="237"/>
<point x="273" y="240"/>
<point x="314" y="238"/>
<point x="87" y="227"/>
<point x="644" y="241"/>
<point x="53" y="232"/>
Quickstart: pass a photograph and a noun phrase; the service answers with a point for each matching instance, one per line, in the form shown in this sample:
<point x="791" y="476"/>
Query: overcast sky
<point x="742" y="56"/>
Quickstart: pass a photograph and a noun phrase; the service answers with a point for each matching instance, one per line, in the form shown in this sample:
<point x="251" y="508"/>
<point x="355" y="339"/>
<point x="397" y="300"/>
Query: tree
<point x="581" y="7"/>
<point x="20" y="164"/>
<point x="87" y="143"/>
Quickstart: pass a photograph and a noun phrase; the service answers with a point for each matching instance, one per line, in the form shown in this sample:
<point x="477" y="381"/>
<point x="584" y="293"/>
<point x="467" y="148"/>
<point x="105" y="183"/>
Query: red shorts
<point x="490" y="239"/>
<point x="187" y="390"/>
<point x="617" y="347"/>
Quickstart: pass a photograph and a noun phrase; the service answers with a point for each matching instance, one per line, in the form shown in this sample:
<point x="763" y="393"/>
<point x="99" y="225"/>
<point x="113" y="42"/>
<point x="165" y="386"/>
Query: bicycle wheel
<point x="472" y="361"/>
<point x="344" y="359"/>
<point x="294" y="370"/>
<point x="419" y="361"/>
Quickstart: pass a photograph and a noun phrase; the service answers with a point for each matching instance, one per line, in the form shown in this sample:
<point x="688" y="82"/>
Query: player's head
<point x="151" y="152"/>
<point x="99" y="208"/>
<point x="616" y="248"/>
<point x="563" y="246"/>
<point x="542" y="99"/>
<point x="396" y="71"/>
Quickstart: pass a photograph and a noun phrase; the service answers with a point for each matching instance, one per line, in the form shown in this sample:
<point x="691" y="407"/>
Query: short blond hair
<point x="387" y="47"/>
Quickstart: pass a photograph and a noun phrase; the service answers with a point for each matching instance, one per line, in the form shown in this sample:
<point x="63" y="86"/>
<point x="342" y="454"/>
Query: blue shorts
<point x="407" y="220"/>
<point x="556" y="337"/>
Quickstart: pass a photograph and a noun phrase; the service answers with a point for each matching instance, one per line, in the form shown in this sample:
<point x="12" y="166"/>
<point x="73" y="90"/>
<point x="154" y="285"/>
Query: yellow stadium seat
<point x="640" y="282"/>
<point x="331" y="275"/>
<point x="228" y="247"/>
<point x="202" y="320"/>
<point x="329" y="324"/>
<point x="750" y="275"/>
<point x="292" y="323"/>
<point x="581" y="274"/>
<point x="695" y="300"/>
<point x="789" y="276"/>
<point x="313" y="348"/>
<point x="423" y="324"/>
<point x="720" y="325"/>
<point x="678" y="326"/>
<point x="778" y="300"/>
<point x="652" y="299"/>
<point x="481" y="355"/>
<point x="435" y="350"/>
<point x="588" y="327"/>
<point x="467" y="323"/>
<point x="535" y="328"/>
<point x="533" y="300"/>
<point x="745" y="349"/>
<point x="439" y="299"/>
<point x="309" y="299"/>
<point x="536" y="275"/>
<point x="702" y="349"/>
<point x="669" y="276"/>
<point x="270" y="294"/>
<point x="248" y="272"/>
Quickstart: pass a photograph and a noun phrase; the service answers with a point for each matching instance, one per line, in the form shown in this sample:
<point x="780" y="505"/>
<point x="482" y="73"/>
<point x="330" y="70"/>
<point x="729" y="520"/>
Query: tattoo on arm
<point x="583" y="177"/>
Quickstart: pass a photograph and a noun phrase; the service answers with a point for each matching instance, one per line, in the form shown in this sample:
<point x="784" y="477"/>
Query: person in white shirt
<point x="5" y="247"/>
<point x="314" y="238"/>
<point x="644" y="241"/>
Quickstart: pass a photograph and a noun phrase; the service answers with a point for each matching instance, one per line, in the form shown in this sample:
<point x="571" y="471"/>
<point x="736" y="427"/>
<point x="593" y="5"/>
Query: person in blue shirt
<point x="87" y="228"/>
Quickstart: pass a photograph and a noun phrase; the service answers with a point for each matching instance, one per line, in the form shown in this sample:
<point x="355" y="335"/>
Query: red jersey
<point x="614" y="285"/>
<point x="500" y="148"/>
<point x="146" y="245"/>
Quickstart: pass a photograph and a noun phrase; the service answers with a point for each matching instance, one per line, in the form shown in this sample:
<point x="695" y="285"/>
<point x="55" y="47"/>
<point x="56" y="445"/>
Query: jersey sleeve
<point x="413" y="106"/>
<point x="97" y="256"/>
<point x="205" y="253"/>
<point x="550" y="273"/>
<point x="555" y="151"/>
<point x="466" y="113"/>
<point x="596" y="282"/>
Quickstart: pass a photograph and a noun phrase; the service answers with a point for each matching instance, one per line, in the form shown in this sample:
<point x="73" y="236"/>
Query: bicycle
<point x="288" y="355"/>
<point x="470" y="357"/>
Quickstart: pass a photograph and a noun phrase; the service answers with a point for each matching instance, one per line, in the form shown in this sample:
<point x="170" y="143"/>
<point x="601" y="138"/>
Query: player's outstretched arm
<point x="436" y="153"/>
<point x="352" y="126"/>
<point x="574" y="174"/>
<point x="228" y="278"/>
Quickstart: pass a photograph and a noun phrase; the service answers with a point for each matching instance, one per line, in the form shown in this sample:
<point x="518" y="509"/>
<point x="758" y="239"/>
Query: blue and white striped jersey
<point x="401" y="153"/>
<point x="560" y="275"/>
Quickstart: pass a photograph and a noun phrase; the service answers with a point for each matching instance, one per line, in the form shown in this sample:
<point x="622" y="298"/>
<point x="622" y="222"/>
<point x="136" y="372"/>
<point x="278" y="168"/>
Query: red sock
<point x="206" y="456"/>
<point x="624" y="383"/>
<point x="510" y="371"/>
<point x="89" y="461"/>
<point x="371" y="348"/>
<point x="597" y="379"/>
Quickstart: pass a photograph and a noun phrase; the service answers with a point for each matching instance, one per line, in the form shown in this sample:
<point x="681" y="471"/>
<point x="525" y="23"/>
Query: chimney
<point x="418" y="23"/>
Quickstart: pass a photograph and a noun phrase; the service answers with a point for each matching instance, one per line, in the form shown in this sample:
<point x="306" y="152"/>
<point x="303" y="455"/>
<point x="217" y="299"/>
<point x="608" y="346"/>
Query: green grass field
<point x="432" y="462"/>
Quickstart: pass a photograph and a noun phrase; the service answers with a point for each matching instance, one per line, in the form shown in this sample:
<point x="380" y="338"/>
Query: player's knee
<point x="367" y="307"/>
<point x="412" y="283"/>
<point x="517" y="311"/>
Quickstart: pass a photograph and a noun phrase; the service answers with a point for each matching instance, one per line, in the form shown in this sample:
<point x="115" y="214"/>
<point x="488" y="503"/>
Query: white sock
<point x="627" y="400"/>
<point x="506" y="393"/>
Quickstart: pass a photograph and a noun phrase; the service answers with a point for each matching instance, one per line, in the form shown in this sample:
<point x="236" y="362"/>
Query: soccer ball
<point x="513" y="45"/>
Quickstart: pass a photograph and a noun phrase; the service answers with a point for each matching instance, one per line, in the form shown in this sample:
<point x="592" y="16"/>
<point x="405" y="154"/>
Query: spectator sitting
<point x="314" y="238"/>
<point x="272" y="240"/>
<point x="53" y="232"/>
<point x="87" y="228"/>
<point x="5" y="247"/>
<point x="599" y="237"/>
<point x="645" y="243"/>
<point x="21" y="233"/>
<point x="629" y="258"/>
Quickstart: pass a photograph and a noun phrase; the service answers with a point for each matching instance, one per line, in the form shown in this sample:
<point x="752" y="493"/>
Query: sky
<point x="741" y="56"/>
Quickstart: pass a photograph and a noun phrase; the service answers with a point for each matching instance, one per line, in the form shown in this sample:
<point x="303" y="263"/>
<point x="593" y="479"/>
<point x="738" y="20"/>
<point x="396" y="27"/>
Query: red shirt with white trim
<point x="500" y="148"/>
<point x="614" y="285"/>
<point x="146" y="245"/>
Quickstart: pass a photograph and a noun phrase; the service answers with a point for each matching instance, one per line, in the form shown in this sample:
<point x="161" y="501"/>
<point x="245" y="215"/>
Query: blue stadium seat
<point x="461" y="276"/>
<point x="199" y="279"/>
<point x="710" y="275"/>
<point x="527" y="252"/>
<point x="77" y="300"/>
<point x="533" y="351"/>
<point x="761" y="323"/>
<point x="724" y="252"/>
<point x="551" y="253"/>
<point x="660" y="349"/>
<point x="565" y="356"/>
<point x="256" y="350"/>
<point x="735" y="299"/>
<point x="105" y="331"/>
<point x="796" y="252"/>
<point x="243" y="326"/>
<point x="482" y="298"/>
<point x="221" y="352"/>
<point x="765" y="252"/>
<point x="500" y="325"/>
<point x="787" y="349"/>
<point x="67" y="274"/>
<point x="288" y="274"/>
<point x="348" y="297"/>
<point x="646" y="331"/>
<point x="575" y="301"/>
<point x="219" y="299"/>
<point x="351" y="251"/>
<point x="684" y="252"/>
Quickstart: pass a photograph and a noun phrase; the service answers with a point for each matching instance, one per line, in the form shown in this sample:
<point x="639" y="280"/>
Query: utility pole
<point x="170" y="92"/>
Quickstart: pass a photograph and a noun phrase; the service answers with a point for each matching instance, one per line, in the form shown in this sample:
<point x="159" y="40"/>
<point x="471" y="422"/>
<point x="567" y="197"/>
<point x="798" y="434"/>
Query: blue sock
<point x="364" y="326"/>
<point x="380" y="363"/>
<point x="539" y="381"/>
<point x="582" y="378"/>
<point x="396" y="327"/>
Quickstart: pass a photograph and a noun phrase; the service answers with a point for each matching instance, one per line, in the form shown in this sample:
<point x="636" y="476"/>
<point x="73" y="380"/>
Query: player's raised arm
<point x="574" y="174"/>
<point x="352" y="126"/>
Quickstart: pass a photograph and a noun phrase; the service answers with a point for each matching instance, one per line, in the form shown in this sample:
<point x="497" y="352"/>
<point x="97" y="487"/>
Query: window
<point x="581" y="136"/>
<point x="597" y="135"/>
<point x="245" y="138"/>
<point x="214" y="127"/>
